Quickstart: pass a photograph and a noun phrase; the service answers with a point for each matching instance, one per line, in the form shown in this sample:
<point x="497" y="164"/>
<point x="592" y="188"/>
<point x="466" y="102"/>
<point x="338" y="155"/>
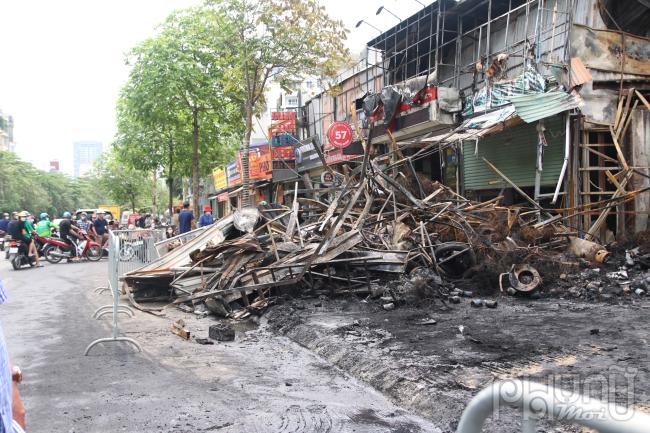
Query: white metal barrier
<point x="163" y="246"/>
<point x="127" y="250"/>
<point x="537" y="400"/>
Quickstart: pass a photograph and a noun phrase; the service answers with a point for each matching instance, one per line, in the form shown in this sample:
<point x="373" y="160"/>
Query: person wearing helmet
<point x="44" y="227"/>
<point x="27" y="230"/>
<point x="207" y="218"/>
<point x="69" y="233"/>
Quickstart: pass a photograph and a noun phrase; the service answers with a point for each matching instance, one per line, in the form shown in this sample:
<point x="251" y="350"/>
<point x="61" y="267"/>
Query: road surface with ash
<point x="434" y="360"/>
<point x="261" y="382"/>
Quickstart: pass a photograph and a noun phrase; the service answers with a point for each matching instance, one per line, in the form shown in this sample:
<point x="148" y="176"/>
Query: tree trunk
<point x="170" y="204"/>
<point x="195" y="161"/>
<point x="246" y="143"/>
<point x="170" y="179"/>
<point x="185" y="186"/>
<point x="154" y="194"/>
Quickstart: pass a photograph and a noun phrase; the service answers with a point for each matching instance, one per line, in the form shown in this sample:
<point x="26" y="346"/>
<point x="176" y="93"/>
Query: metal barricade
<point x="166" y="245"/>
<point x="537" y="400"/>
<point x="127" y="250"/>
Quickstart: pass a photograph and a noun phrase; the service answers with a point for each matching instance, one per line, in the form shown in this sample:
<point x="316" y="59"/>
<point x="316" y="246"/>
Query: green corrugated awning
<point x="542" y="105"/>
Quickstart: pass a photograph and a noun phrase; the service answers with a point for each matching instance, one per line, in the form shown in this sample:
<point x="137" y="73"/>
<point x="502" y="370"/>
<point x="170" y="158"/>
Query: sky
<point x="62" y="63"/>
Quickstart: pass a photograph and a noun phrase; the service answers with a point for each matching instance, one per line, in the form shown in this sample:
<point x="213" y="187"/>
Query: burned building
<point x="540" y="102"/>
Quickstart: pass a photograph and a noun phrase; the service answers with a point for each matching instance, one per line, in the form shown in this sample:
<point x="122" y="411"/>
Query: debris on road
<point x="178" y="328"/>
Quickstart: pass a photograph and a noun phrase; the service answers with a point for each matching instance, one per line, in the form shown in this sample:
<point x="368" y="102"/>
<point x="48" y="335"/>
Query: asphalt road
<point x="258" y="383"/>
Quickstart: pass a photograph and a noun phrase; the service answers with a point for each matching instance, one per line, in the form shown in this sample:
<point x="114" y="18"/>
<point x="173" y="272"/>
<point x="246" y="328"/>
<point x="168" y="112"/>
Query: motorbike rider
<point x="45" y="226"/>
<point x="4" y="224"/>
<point x="26" y="237"/>
<point x="69" y="233"/>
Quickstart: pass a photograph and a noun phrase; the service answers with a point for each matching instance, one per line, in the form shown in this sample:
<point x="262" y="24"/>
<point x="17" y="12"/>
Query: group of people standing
<point x="184" y="219"/>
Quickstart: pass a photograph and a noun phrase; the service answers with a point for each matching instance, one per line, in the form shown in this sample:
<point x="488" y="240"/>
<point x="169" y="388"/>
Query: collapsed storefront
<point x="524" y="100"/>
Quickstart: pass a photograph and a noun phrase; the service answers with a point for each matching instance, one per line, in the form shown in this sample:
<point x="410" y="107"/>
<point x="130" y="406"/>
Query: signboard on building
<point x="326" y="178"/>
<point x="340" y="135"/>
<point x="283" y="115"/>
<point x="306" y="155"/>
<point x="283" y="122"/>
<point x="222" y="197"/>
<point x="233" y="173"/>
<point x="259" y="163"/>
<point x="284" y="152"/>
<point x="219" y="177"/>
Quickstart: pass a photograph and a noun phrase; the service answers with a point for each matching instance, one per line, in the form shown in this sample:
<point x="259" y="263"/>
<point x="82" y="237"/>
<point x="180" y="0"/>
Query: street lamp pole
<point x="366" y="23"/>
<point x="381" y="8"/>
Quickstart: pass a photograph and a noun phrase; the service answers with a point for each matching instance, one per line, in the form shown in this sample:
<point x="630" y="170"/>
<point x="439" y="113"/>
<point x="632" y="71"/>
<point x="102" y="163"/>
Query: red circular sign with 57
<point x="340" y="135"/>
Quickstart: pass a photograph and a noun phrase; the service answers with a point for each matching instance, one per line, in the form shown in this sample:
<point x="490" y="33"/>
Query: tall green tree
<point x="122" y="183"/>
<point x="176" y="97"/>
<point x="280" y="40"/>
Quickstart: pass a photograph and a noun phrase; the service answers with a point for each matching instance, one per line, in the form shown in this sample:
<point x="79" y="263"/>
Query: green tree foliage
<point x="123" y="184"/>
<point x="281" y="40"/>
<point x="23" y="187"/>
<point x="174" y="113"/>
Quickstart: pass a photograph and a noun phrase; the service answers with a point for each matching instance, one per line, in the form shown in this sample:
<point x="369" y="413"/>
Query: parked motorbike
<point x="56" y="249"/>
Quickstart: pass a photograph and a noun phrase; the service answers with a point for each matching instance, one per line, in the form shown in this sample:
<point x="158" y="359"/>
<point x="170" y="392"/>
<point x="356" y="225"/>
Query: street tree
<point x="280" y="40"/>
<point x="122" y="183"/>
<point x="176" y="91"/>
<point x="24" y="187"/>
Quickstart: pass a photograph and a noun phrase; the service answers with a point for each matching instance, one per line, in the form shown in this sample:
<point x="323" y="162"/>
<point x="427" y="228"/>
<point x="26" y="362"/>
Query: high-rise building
<point x="85" y="153"/>
<point x="7" y="133"/>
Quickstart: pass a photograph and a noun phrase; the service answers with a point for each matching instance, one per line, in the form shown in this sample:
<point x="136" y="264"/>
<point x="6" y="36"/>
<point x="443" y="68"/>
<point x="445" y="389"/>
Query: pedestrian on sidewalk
<point x="185" y="219"/>
<point x="12" y="409"/>
<point x="207" y="218"/>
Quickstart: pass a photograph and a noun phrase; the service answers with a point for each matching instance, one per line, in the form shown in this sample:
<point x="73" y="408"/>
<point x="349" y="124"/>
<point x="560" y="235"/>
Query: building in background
<point x="7" y="133"/>
<point x="54" y="166"/>
<point x="85" y="154"/>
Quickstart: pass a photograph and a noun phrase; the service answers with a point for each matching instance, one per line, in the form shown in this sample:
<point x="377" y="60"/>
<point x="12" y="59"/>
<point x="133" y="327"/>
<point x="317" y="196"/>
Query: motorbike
<point x="4" y="244"/>
<point x="18" y="255"/>
<point x="56" y="249"/>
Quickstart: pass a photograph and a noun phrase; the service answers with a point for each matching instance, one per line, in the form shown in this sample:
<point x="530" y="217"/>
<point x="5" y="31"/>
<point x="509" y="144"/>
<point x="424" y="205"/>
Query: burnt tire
<point x="456" y="258"/>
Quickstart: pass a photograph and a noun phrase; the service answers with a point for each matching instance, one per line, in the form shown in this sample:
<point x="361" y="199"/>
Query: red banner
<point x="284" y="152"/>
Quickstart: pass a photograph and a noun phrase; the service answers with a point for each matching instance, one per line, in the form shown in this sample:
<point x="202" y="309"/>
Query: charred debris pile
<point x="382" y="223"/>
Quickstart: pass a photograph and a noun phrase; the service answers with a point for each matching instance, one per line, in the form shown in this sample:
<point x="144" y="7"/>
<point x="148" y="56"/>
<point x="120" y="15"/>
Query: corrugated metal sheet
<point x="513" y="152"/>
<point x="579" y="73"/>
<point x="541" y="105"/>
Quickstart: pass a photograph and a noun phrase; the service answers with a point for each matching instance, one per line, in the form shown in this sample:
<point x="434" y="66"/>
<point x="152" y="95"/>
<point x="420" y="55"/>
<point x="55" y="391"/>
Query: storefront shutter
<point x="513" y="153"/>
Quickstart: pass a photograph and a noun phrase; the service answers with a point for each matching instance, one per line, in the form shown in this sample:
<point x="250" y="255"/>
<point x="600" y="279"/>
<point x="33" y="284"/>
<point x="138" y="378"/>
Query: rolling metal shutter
<point x="513" y="152"/>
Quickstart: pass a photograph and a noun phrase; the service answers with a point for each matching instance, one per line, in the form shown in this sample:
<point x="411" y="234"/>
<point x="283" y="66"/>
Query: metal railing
<point x="163" y="246"/>
<point x="115" y="308"/>
<point x="537" y="400"/>
<point x="137" y="248"/>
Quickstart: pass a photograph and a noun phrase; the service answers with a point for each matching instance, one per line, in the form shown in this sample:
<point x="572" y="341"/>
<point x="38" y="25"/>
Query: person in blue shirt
<point x="207" y="218"/>
<point x="12" y="409"/>
<point x="4" y="223"/>
<point x="185" y="219"/>
<point x="100" y="225"/>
